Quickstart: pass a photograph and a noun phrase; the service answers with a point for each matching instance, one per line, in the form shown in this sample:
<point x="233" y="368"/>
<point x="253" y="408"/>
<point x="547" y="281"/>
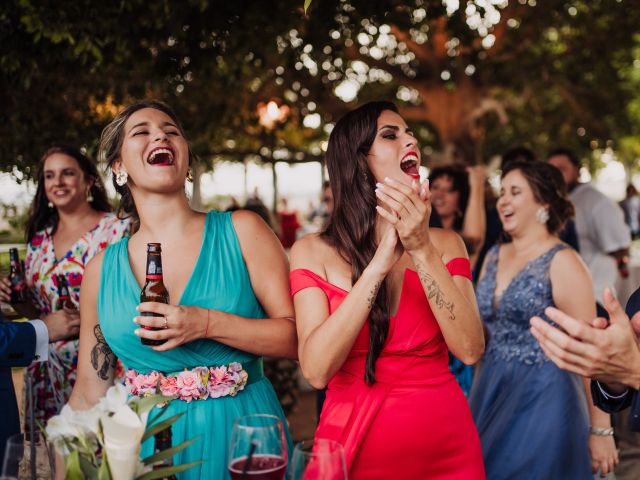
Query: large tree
<point x="474" y="76"/>
<point x="486" y="73"/>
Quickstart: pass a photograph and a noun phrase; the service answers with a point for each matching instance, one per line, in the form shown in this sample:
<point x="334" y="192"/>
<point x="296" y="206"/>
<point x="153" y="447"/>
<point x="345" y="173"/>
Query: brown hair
<point x="111" y="142"/>
<point x="351" y="229"/>
<point x="548" y="187"/>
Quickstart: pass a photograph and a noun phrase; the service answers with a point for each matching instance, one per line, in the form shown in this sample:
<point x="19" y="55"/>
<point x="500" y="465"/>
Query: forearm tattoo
<point x="433" y="291"/>
<point x="372" y="295"/>
<point x="102" y="358"/>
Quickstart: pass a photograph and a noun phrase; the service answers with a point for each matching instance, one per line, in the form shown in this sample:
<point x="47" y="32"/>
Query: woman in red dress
<point x="380" y="297"/>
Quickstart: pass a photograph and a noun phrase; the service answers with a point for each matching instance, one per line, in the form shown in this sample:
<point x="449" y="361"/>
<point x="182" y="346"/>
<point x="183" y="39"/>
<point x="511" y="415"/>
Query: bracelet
<point x="602" y="432"/>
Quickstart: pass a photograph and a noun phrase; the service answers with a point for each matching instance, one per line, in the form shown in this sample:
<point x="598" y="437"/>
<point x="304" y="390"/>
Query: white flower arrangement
<point x="104" y="442"/>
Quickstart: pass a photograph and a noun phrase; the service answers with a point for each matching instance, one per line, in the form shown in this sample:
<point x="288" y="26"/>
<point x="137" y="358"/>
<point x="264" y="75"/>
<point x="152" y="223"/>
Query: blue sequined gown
<point x="532" y="417"/>
<point x="220" y="281"/>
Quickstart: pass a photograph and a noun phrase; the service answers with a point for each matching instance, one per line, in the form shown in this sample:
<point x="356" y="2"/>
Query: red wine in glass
<point x="262" y="467"/>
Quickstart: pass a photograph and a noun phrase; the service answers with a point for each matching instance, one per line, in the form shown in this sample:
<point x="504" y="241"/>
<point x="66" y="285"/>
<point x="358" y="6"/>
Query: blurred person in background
<point x="69" y="223"/>
<point x="631" y="207"/>
<point x="289" y="224"/>
<point x="603" y="236"/>
<point x="516" y="385"/>
<point x="494" y="225"/>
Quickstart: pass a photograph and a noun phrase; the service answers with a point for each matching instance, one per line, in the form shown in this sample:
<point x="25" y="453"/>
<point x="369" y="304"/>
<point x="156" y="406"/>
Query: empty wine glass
<point x="258" y="448"/>
<point x="321" y="459"/>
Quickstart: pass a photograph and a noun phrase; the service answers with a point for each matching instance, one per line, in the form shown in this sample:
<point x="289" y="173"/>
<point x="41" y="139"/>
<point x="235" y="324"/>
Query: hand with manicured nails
<point x="389" y="250"/>
<point x="408" y="209"/>
<point x="609" y="354"/>
<point x="183" y="324"/>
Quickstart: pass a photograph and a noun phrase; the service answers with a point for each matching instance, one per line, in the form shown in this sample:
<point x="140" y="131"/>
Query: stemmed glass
<point x="258" y="448"/>
<point x="321" y="459"/>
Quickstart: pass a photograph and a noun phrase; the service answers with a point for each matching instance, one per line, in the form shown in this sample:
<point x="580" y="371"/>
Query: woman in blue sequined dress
<point x="532" y="417"/>
<point x="227" y="278"/>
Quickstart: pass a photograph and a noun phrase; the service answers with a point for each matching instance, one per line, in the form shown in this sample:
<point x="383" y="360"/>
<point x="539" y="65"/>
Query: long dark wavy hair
<point x="111" y="144"/>
<point x="40" y="215"/>
<point x="351" y="229"/>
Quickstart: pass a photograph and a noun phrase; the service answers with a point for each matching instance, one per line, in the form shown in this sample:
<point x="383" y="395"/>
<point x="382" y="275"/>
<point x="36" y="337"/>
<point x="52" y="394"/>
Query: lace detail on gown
<point x="507" y="317"/>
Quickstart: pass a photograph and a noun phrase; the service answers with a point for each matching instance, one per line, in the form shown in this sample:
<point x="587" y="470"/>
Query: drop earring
<point x="89" y="196"/>
<point x="50" y="204"/>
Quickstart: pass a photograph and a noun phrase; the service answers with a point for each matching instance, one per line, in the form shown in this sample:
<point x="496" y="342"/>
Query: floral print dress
<point x="54" y="380"/>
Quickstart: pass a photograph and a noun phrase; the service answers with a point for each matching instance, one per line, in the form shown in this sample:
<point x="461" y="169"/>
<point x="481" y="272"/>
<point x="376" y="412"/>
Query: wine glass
<point x="322" y="459"/>
<point x="25" y="458"/>
<point x="258" y="448"/>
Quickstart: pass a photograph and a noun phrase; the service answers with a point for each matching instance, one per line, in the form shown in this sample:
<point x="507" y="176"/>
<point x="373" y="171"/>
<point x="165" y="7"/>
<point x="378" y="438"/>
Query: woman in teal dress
<point x="226" y="275"/>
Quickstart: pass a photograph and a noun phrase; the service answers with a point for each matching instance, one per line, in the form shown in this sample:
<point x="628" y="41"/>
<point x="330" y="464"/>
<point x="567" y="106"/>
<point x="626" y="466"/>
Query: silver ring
<point x="165" y="326"/>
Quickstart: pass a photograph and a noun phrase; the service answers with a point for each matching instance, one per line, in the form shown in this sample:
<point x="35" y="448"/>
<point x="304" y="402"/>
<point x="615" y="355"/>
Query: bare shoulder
<point x="448" y="243"/>
<point x="309" y="252"/>
<point x="248" y="223"/>
<point x="567" y="263"/>
<point x="91" y="275"/>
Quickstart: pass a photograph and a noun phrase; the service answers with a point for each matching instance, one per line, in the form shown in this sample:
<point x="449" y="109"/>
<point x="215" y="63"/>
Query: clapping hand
<point x="408" y="210"/>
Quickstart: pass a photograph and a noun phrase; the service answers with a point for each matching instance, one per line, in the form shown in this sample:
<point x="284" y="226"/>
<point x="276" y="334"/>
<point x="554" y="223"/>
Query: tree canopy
<point x="473" y="77"/>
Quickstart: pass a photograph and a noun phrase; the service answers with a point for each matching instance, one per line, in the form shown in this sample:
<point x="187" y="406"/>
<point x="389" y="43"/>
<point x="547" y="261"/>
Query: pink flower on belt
<point x="189" y="385"/>
<point x="146" y="384"/>
<point x="169" y="386"/>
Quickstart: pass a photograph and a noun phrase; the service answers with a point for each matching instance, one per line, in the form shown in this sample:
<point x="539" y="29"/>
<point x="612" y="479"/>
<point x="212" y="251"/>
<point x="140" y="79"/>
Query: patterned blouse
<point x="54" y="380"/>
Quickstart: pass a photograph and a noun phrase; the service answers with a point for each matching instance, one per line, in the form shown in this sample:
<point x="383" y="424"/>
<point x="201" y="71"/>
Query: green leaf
<point x="89" y="470"/>
<point x="72" y="469"/>
<point x="306" y="5"/>
<point x="166" y="471"/>
<point x="147" y="403"/>
<point x="161" y="426"/>
<point x="103" y="472"/>
<point x="169" y="452"/>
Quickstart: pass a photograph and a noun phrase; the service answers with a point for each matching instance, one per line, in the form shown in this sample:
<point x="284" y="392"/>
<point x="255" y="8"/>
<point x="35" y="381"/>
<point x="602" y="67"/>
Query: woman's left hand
<point x="408" y="210"/>
<point x="604" y="455"/>
<point x="178" y="324"/>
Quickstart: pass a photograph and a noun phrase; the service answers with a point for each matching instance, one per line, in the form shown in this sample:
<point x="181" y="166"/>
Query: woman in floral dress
<point x="69" y="223"/>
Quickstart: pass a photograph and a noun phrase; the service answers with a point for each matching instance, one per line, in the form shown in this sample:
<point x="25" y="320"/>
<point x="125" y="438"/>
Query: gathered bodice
<point x="219" y="281"/>
<point x="414" y="333"/>
<point x="507" y="317"/>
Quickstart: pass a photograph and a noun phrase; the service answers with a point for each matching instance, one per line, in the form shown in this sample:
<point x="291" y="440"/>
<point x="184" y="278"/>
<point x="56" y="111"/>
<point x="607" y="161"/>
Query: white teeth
<point x="159" y="151"/>
<point x="409" y="158"/>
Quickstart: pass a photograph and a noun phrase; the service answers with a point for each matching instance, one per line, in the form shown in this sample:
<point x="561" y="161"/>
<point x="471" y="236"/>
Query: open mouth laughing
<point x="161" y="156"/>
<point x="409" y="165"/>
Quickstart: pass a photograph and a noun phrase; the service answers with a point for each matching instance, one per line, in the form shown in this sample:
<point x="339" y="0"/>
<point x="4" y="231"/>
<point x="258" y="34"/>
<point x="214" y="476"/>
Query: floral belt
<point x="198" y="383"/>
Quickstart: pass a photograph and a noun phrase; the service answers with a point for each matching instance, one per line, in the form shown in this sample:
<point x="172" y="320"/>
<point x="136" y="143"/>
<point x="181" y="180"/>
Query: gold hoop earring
<point x="190" y="175"/>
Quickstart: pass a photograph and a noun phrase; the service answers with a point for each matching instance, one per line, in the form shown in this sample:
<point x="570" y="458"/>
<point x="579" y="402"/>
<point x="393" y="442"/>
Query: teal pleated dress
<point x="219" y="281"/>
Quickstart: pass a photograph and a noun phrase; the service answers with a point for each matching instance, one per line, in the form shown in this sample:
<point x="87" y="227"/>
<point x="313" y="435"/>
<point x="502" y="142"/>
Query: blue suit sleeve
<point x="17" y="344"/>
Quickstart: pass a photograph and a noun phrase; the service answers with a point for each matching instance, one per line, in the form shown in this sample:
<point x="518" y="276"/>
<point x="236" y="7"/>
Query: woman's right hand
<point x="62" y="325"/>
<point x="389" y="249"/>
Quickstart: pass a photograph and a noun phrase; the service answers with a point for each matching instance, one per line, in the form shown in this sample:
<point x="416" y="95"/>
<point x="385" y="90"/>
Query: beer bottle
<point x="153" y="289"/>
<point x="64" y="297"/>
<point x="17" y="279"/>
<point x="163" y="442"/>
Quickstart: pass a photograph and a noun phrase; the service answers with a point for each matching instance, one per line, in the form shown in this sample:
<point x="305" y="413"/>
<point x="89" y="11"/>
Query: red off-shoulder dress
<point x="414" y="422"/>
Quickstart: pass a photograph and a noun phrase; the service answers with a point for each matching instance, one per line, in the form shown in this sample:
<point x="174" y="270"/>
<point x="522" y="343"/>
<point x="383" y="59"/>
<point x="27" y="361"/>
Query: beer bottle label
<point x="154" y="269"/>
